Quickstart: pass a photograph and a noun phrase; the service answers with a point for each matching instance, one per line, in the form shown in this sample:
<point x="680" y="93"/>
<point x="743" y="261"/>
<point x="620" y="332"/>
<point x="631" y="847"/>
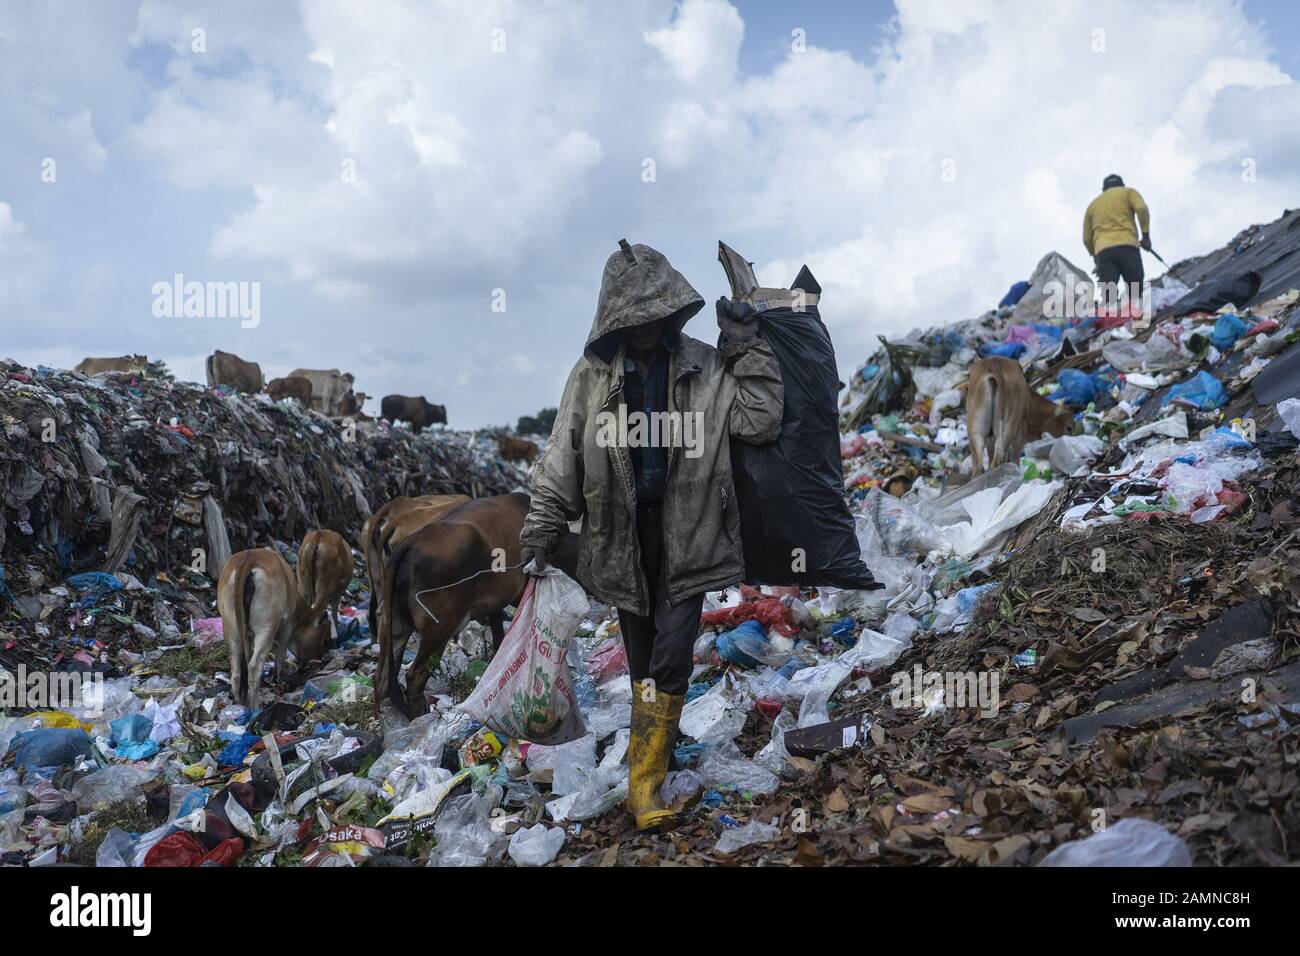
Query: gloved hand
<point x="534" y="560"/>
<point x="739" y="324"/>
<point x="1146" y="243"/>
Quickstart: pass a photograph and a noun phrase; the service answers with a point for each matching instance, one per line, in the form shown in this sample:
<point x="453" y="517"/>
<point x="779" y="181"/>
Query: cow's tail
<point x="308" y="558"/>
<point x="210" y="369"/>
<point x="368" y="556"/>
<point x="389" y="666"/>
<point x="234" y="626"/>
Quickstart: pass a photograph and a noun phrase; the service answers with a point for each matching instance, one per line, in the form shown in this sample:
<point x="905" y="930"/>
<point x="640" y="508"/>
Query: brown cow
<point x="1000" y="404"/>
<point x="417" y="411"/>
<point x="261" y="610"/>
<point x="226" y="368"/>
<point x="324" y="572"/>
<point x="123" y="363"/>
<point x="462" y="566"/>
<point x="389" y="527"/>
<point x="516" y="449"/>
<point x="293" y="386"/>
<point x="350" y="406"/>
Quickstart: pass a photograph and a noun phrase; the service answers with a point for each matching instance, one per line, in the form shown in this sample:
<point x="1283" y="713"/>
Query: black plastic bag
<point x="1213" y="294"/>
<point x="795" y="524"/>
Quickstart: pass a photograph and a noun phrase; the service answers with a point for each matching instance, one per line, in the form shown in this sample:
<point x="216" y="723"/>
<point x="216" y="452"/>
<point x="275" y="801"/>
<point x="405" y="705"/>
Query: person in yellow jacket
<point x="1111" y="236"/>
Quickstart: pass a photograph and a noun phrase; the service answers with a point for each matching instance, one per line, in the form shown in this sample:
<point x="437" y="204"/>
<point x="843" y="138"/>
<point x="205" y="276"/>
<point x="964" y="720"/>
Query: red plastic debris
<point x="224" y="853"/>
<point x="768" y="611"/>
<point x="177" y="849"/>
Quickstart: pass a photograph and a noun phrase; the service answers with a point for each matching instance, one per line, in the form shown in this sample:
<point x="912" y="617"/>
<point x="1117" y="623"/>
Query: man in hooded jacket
<point x="659" y="520"/>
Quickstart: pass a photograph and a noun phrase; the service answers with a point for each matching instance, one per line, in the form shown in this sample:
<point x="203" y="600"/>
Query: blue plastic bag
<point x="93" y="585"/>
<point x="131" y="737"/>
<point x="842" y="631"/>
<point x="1076" y="387"/>
<point x="236" y="749"/>
<point x="50" y="747"/>
<point x="1014" y="294"/>
<point x="1009" y="350"/>
<point x="1227" y="329"/>
<point x="968" y="598"/>
<point x="1202" y="390"/>
<point x="744" y="646"/>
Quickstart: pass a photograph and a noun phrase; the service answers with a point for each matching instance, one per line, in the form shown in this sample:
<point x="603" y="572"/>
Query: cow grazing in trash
<point x="329" y="386"/>
<point x="1001" y="405"/>
<point x="516" y="449"/>
<point x="463" y="565"/>
<point x="415" y="410"/>
<point x="262" y="611"/>
<point x="226" y="368"/>
<point x="123" y="363"/>
<point x="324" y="571"/>
<point x="390" y="526"/>
<point x="294" y="386"/>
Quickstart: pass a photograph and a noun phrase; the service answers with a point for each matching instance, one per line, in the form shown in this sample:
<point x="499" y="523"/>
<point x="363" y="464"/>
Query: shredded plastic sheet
<point x="991" y="516"/>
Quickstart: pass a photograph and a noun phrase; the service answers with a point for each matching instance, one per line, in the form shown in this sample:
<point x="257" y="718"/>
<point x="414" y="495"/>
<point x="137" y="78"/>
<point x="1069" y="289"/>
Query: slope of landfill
<point x="1096" y="643"/>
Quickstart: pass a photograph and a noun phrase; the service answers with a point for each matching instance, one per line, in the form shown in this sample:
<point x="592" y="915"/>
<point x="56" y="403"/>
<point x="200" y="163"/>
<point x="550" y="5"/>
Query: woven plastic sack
<point x="526" y="693"/>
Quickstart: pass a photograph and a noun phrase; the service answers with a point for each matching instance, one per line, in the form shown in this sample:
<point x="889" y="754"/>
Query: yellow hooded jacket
<point x="1109" y="219"/>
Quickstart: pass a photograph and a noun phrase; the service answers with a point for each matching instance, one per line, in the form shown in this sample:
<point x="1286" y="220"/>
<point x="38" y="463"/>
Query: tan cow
<point x="123" y="363"/>
<point x="324" y="572"/>
<point x="226" y="368"/>
<point x="516" y="449"/>
<point x="262" y="610"/>
<point x="294" y="386"/>
<point x="1001" y="405"/>
<point x="387" y="528"/>
<point x="328" y="387"/>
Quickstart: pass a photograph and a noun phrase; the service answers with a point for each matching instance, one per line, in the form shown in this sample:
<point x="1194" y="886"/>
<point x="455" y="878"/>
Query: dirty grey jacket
<point x="584" y="474"/>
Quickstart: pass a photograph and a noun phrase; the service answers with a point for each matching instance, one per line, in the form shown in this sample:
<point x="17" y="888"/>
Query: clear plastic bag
<point x="464" y="833"/>
<point x="113" y="784"/>
<point x="753" y="832"/>
<point x="601" y="792"/>
<point x="118" y="849"/>
<point x="679" y="785"/>
<point x="1129" y="842"/>
<point x="725" y="768"/>
<point x="536" y="845"/>
<point x="1072" y="454"/>
<point x="574" y="762"/>
<point x="904" y="531"/>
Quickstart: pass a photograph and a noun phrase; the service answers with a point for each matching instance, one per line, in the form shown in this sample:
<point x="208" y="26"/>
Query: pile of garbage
<point x="1084" y="656"/>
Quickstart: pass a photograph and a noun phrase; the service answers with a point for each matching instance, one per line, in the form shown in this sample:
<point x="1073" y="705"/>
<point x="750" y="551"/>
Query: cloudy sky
<point x="389" y="172"/>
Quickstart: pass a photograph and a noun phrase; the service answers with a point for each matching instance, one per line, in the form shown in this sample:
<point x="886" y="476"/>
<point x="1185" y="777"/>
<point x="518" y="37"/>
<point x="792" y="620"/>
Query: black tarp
<point x="1213" y="294"/>
<point x="795" y="524"/>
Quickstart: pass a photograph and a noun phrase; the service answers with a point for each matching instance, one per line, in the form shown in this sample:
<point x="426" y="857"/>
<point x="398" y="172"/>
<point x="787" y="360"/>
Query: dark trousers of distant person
<point x="660" y="644"/>
<point x="1116" y="263"/>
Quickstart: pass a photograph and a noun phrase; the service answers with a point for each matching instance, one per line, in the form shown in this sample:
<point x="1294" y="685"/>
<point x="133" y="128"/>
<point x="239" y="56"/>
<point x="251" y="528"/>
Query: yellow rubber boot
<point x="654" y="731"/>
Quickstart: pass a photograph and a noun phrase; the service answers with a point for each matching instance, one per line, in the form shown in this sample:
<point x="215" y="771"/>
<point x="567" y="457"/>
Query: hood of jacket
<point x="639" y="286"/>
